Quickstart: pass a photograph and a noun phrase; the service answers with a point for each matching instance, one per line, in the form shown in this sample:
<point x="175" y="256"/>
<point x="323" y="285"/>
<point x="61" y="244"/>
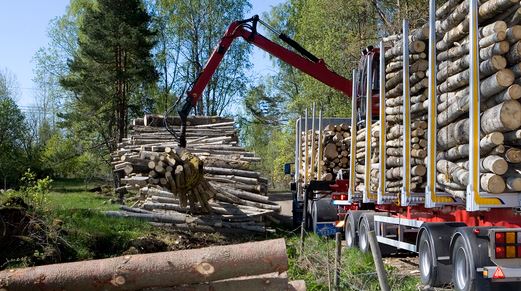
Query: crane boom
<point x="247" y="29"/>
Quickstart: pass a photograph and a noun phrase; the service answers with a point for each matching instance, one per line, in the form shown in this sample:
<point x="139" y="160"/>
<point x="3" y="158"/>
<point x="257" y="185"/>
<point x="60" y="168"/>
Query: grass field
<point x="315" y="265"/>
<point x="84" y="227"/>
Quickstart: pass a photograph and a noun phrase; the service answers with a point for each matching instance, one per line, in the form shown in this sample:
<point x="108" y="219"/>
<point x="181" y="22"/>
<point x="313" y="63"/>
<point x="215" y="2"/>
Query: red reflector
<point x="500" y="252"/>
<point x="476" y="230"/>
<point x="500" y="237"/>
<point x="498" y="274"/>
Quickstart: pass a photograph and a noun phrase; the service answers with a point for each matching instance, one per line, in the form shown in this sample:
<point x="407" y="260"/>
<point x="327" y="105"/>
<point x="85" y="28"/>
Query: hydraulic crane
<point x="302" y="59"/>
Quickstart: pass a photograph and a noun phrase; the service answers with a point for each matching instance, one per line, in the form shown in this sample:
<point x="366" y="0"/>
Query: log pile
<point x="418" y="82"/>
<point x="332" y="154"/>
<point x="500" y="90"/>
<point x="207" y="186"/>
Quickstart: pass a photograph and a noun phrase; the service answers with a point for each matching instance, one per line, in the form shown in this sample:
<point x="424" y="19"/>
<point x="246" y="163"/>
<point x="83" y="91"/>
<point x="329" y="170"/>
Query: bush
<point x="35" y="191"/>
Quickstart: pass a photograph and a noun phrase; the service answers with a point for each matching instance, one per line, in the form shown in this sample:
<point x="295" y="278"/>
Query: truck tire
<point x="433" y="243"/>
<point x="363" y="239"/>
<point x="431" y="274"/>
<point x="351" y="227"/>
<point x="464" y="275"/>
<point x="367" y="224"/>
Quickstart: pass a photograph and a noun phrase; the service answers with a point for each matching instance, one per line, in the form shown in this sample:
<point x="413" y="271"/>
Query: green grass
<point x="316" y="266"/>
<point x="86" y="229"/>
<point x="74" y="194"/>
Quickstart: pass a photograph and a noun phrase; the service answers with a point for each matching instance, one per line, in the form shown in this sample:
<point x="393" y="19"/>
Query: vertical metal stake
<point x="474" y="98"/>
<point x="312" y="170"/>
<point x="320" y="145"/>
<point x="354" y="120"/>
<point x="406" y="174"/>
<point x="383" y="156"/>
<point x="368" y="122"/>
<point x="306" y="164"/>
<point x="433" y="105"/>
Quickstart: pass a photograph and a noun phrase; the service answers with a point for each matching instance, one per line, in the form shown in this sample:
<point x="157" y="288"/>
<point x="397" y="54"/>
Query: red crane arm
<point x="317" y="70"/>
<point x="305" y="61"/>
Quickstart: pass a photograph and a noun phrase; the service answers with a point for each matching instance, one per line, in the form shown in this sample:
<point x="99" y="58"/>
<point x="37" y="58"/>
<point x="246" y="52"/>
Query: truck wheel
<point x="464" y="275"/>
<point x="350" y="233"/>
<point x="433" y="245"/>
<point x="351" y="227"/>
<point x="366" y="225"/>
<point x="363" y="239"/>
<point x="431" y="274"/>
<point x="427" y="271"/>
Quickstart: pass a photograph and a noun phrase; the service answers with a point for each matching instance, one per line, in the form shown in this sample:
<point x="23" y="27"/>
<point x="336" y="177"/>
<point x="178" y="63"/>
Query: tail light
<point x="507" y="244"/>
<point x="500" y="252"/>
<point x="500" y="237"/>
<point x="339" y="196"/>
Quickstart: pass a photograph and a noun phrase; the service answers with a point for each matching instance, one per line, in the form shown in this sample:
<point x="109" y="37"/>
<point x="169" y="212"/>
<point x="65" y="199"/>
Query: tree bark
<point x="135" y="272"/>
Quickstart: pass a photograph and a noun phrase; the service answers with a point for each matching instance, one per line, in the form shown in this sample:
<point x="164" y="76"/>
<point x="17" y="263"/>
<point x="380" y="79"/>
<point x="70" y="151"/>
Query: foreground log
<point x="274" y="281"/>
<point x="166" y="269"/>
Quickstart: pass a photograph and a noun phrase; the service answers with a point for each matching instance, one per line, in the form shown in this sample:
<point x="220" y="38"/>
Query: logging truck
<point x="437" y="169"/>
<point x="434" y="159"/>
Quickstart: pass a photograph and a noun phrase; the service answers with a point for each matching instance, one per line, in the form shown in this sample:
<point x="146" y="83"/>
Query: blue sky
<point x="23" y="30"/>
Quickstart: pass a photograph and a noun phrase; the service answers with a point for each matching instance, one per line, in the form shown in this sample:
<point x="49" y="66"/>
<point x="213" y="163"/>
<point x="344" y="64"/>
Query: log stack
<point x="500" y="90"/>
<point x="374" y="158"/>
<point x="210" y="184"/>
<point x="336" y="141"/>
<point x="334" y="155"/>
<point x="394" y="109"/>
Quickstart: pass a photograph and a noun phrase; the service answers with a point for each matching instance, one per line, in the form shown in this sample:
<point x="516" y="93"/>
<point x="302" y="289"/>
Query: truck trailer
<point x="435" y="170"/>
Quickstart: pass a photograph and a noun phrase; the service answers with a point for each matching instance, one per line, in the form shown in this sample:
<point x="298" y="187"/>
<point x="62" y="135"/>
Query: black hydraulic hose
<point x="298" y="47"/>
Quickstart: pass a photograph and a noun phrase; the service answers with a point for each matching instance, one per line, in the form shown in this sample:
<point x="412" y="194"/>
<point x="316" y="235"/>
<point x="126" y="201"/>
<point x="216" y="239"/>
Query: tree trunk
<point x="167" y="269"/>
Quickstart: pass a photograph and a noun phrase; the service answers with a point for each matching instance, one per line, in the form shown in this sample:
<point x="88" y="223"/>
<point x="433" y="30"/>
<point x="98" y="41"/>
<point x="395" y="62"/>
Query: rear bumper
<point x="511" y="274"/>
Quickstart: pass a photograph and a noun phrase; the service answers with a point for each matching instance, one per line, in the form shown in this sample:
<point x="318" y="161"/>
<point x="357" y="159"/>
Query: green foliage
<point x="264" y="131"/>
<point x="110" y="69"/>
<point x="65" y="157"/>
<point x="188" y="31"/>
<point x="35" y="191"/>
<point x="12" y="141"/>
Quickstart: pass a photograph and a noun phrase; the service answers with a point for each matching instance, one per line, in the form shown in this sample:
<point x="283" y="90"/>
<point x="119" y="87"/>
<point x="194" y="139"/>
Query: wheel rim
<point x="362" y="238"/>
<point x="425" y="260"/>
<point x="349" y="234"/>
<point x="461" y="268"/>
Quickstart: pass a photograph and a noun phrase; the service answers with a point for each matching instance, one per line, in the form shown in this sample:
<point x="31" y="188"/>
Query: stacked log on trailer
<point x="374" y="158"/>
<point x="207" y="186"/>
<point x="336" y="144"/>
<point x="394" y="98"/>
<point x="499" y="74"/>
<point x="334" y="153"/>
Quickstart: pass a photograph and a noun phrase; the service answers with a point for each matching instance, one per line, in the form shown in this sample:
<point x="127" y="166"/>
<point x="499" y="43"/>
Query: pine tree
<point x="111" y="68"/>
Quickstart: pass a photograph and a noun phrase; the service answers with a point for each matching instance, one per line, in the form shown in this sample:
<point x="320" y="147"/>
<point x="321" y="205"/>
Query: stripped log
<point x="165" y="269"/>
